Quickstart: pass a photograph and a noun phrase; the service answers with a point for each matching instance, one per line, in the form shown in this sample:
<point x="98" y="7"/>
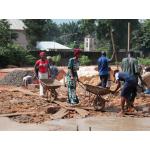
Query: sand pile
<point x="92" y="80"/>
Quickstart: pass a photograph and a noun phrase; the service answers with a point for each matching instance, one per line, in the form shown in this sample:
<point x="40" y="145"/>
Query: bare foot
<point x="121" y="114"/>
<point x="43" y="96"/>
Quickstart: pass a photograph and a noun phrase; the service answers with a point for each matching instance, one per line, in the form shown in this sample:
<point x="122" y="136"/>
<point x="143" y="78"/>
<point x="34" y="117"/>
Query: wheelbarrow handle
<point x="81" y="84"/>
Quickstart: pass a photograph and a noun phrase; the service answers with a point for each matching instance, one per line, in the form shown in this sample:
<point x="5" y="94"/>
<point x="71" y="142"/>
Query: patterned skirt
<point x="71" y="84"/>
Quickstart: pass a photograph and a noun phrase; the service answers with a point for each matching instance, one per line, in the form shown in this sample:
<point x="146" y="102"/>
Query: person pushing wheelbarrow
<point x="72" y="77"/>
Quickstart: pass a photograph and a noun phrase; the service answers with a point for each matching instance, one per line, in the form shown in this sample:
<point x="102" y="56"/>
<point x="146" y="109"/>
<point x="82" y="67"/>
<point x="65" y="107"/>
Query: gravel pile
<point x="15" y="77"/>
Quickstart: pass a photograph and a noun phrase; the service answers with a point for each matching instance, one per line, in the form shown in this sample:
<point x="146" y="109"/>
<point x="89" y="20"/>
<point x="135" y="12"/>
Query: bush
<point x="15" y="55"/>
<point x="56" y="59"/>
<point x="144" y="61"/>
<point x="81" y="46"/>
<point x="84" y="60"/>
<point x="30" y="60"/>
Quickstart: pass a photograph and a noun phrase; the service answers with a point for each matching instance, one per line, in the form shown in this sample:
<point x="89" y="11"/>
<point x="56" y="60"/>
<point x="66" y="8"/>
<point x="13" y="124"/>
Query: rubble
<point x="15" y="77"/>
<point x="26" y="106"/>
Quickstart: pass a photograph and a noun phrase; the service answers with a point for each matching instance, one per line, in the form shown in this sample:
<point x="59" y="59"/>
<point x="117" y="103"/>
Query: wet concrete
<point x="96" y="123"/>
<point x="8" y="125"/>
<point x="103" y="124"/>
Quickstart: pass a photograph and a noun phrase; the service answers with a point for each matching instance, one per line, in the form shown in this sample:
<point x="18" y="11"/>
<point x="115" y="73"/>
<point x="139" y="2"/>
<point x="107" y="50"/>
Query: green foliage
<point x="141" y="37"/>
<point x="144" y="61"/>
<point x="71" y="45"/>
<point x="56" y="59"/>
<point x="29" y="59"/>
<point x="81" y="46"/>
<point x="84" y="60"/>
<point x="70" y="33"/>
<point x="15" y="55"/>
<point x="87" y="26"/>
<point x="102" y="45"/>
<point x="119" y="27"/>
<point x="40" y="30"/>
<point x="6" y="35"/>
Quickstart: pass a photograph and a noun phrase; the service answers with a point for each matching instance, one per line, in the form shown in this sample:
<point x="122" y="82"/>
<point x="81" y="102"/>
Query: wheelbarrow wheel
<point x="53" y="94"/>
<point x="99" y="103"/>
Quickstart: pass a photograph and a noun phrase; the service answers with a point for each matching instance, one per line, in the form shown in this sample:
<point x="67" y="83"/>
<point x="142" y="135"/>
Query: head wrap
<point x="76" y="51"/>
<point x="42" y="54"/>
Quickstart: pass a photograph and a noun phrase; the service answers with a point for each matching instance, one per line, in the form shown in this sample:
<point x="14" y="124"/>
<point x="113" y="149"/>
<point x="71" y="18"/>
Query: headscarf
<point x="42" y="54"/>
<point x="76" y="51"/>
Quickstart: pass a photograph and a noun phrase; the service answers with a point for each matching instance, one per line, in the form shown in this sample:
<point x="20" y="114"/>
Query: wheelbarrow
<point x="98" y="101"/>
<point x="51" y="85"/>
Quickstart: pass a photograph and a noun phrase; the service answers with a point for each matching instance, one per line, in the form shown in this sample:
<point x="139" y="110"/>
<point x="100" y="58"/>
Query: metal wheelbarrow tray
<point x="98" y="101"/>
<point x="97" y="90"/>
<point x="51" y="85"/>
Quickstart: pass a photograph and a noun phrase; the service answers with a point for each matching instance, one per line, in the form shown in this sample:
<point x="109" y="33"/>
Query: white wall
<point x="89" y="44"/>
<point x="21" y="40"/>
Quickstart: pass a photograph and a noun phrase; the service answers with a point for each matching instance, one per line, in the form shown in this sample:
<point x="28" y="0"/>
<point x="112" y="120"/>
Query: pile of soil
<point x="92" y="80"/>
<point x="15" y="77"/>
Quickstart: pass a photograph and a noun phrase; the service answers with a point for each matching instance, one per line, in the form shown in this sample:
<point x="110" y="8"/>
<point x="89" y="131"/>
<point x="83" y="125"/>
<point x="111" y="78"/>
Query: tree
<point x="6" y="35"/>
<point x="120" y="28"/>
<point x="40" y="30"/>
<point x="73" y="33"/>
<point x="70" y="34"/>
<point x="87" y="26"/>
<point x="141" y="37"/>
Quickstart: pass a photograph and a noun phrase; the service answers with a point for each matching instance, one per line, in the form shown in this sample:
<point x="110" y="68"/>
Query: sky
<point x="60" y="21"/>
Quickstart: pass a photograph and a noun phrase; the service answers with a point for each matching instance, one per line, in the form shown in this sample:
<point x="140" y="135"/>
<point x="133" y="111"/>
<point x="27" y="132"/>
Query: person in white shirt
<point x="27" y="80"/>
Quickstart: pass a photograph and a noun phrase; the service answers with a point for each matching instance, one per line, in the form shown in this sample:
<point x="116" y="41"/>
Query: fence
<point x="65" y="55"/>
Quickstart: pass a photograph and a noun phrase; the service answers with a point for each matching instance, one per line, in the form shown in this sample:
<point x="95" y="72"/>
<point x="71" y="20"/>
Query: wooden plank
<point x="64" y="105"/>
<point x="83" y="113"/>
<point x="16" y="114"/>
<point x="133" y="113"/>
<point x="60" y="114"/>
<point x="87" y="108"/>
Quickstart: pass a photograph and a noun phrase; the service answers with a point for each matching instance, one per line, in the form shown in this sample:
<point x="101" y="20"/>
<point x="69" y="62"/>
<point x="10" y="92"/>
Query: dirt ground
<point x="34" y="109"/>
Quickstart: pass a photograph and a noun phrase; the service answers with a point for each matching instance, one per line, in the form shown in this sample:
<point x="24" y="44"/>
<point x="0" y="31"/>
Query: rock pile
<point x="15" y="77"/>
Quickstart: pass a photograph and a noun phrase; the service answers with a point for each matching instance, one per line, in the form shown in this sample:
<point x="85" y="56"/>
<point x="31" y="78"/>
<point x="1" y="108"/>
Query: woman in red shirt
<point x="43" y="70"/>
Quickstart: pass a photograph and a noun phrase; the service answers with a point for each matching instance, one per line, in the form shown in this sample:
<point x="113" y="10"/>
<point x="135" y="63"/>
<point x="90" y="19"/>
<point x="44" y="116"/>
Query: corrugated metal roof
<point x="16" y="24"/>
<point x="48" y="45"/>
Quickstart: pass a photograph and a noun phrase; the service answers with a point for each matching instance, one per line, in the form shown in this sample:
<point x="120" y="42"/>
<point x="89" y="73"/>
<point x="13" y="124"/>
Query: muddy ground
<point x="34" y="109"/>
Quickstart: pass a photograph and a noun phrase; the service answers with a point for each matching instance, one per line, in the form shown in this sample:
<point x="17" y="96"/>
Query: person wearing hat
<point x="103" y="68"/>
<point x="72" y="77"/>
<point x="42" y="70"/>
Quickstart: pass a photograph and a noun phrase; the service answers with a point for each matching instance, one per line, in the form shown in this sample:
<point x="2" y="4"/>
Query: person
<point x="108" y="84"/>
<point x="129" y="89"/>
<point x="130" y="65"/>
<point x="52" y="68"/>
<point x="103" y="68"/>
<point x="146" y="80"/>
<point x="27" y="79"/>
<point x="41" y="66"/>
<point x="72" y="77"/>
